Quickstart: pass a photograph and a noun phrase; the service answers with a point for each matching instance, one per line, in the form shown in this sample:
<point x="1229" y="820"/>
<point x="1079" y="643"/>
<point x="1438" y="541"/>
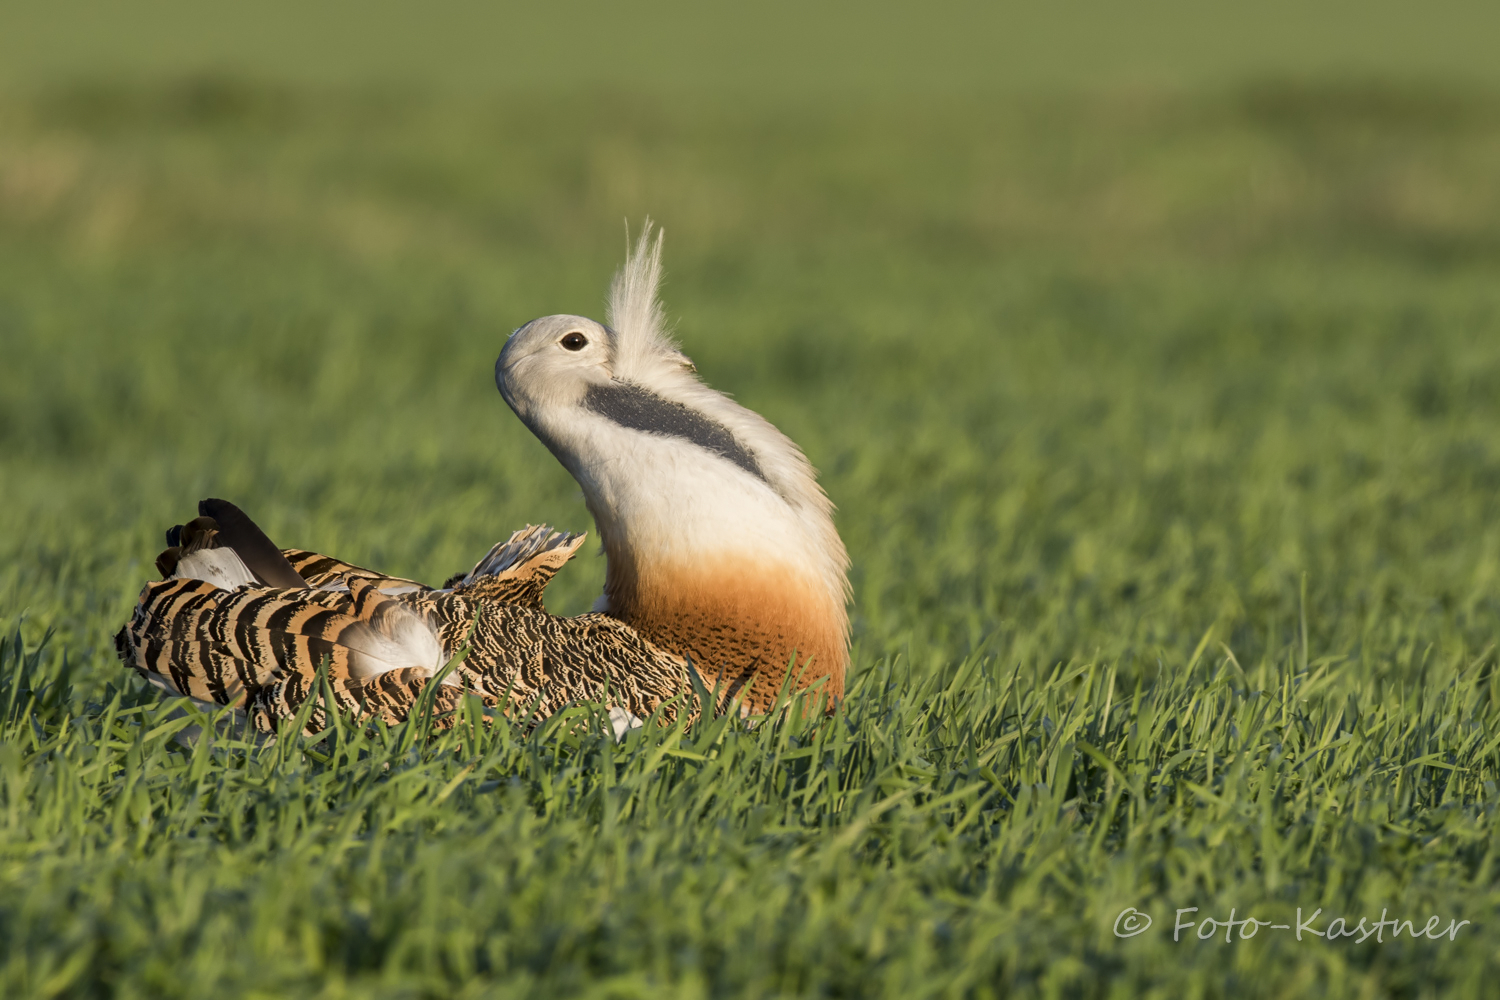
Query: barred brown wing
<point x="383" y="639"/>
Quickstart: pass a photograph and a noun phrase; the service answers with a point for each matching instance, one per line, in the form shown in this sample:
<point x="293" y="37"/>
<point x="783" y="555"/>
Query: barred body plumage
<point x="260" y="649"/>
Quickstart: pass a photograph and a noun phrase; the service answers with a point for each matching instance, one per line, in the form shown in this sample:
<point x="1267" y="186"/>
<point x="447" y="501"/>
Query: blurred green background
<point x="755" y="50"/>
<point x="1105" y="324"/>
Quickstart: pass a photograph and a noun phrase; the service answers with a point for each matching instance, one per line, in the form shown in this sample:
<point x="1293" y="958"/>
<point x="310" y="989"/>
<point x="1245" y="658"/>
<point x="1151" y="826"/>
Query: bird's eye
<point x="575" y="341"/>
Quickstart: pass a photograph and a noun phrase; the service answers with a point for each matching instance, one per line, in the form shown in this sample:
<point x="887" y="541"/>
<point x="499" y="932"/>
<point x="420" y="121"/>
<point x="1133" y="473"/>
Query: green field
<point x="1164" y="426"/>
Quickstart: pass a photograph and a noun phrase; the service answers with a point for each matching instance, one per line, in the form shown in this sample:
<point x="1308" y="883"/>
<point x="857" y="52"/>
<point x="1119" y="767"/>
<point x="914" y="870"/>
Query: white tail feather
<point x="221" y="567"/>
<point x="622" y="721"/>
<point x="392" y="637"/>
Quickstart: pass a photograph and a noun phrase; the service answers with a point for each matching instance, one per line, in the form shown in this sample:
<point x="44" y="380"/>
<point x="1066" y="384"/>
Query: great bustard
<point x="720" y="547"/>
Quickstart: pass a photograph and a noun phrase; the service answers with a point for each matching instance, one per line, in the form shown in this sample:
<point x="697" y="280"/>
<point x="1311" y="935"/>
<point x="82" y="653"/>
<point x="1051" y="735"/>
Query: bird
<point x="725" y="574"/>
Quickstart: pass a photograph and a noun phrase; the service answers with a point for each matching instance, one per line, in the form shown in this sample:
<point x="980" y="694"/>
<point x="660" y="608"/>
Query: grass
<point x="1165" y="432"/>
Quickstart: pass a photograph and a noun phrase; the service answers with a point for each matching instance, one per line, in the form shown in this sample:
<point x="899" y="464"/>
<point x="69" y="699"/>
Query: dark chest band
<point x="642" y="410"/>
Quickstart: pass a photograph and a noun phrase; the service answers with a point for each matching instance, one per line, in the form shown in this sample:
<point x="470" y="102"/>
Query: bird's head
<point x="549" y="365"/>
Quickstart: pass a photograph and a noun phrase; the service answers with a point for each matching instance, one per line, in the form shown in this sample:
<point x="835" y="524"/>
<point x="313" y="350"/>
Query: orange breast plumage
<point x="743" y="622"/>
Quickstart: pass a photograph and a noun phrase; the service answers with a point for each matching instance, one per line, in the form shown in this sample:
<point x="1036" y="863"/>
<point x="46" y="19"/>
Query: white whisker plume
<point x="635" y="312"/>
